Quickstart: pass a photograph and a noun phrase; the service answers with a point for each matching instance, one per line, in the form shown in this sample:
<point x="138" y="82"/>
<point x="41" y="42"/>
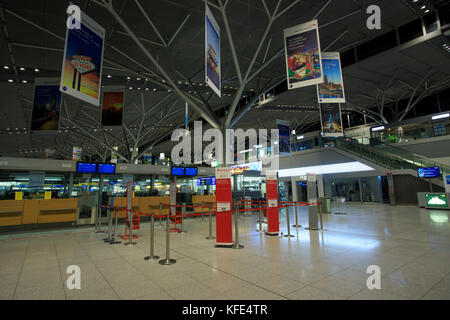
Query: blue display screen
<point x="191" y="172"/>
<point x="432" y="172"/>
<point x="106" y="168"/>
<point x="86" y="167"/>
<point x="210" y="181"/>
<point x="177" y="171"/>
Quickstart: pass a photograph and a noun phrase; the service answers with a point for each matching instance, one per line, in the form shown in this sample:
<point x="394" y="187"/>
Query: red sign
<point x="273" y="222"/>
<point x="224" y="227"/>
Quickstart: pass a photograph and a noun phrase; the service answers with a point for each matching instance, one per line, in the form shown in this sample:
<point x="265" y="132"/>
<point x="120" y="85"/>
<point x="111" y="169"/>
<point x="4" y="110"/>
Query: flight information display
<point x="177" y="171"/>
<point x="432" y="172"/>
<point x="86" y="167"/>
<point x="192" y="172"/>
<point x="106" y="168"/>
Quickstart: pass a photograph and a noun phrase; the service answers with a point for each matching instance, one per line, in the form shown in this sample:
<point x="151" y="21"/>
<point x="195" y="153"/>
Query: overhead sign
<point x="36" y="180"/>
<point x="212" y="52"/>
<point x="83" y="57"/>
<point x="303" y="57"/>
<point x="332" y="88"/>
<point x="284" y="133"/>
<point x="112" y="107"/>
<point x="432" y="172"/>
<point x="331" y="120"/>
<point x="240" y="168"/>
<point x="46" y="104"/>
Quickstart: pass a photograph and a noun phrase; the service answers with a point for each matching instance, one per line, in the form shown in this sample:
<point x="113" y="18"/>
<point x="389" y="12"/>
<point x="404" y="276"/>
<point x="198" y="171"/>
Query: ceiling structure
<point x="155" y="49"/>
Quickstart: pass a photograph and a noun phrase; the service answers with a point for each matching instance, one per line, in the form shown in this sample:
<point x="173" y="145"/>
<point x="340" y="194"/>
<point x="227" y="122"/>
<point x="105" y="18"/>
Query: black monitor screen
<point x="432" y="172"/>
<point x="86" y="167"/>
<point x="191" y="172"/>
<point x="106" y="168"/>
<point x="177" y="171"/>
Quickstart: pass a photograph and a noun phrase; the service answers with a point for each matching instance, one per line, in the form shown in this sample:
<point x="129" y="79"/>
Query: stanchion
<point x="236" y="244"/>
<point x="113" y="240"/>
<point x="260" y="218"/>
<point x="320" y="217"/>
<point x="203" y="205"/>
<point x="167" y="260"/>
<point x="152" y="239"/>
<point x="110" y="222"/>
<point x="296" y="225"/>
<point x="130" y="229"/>
<point x="160" y="210"/>
<point x="98" y="220"/>
<point x="183" y="212"/>
<point x="288" y="223"/>
<point x="210" y="237"/>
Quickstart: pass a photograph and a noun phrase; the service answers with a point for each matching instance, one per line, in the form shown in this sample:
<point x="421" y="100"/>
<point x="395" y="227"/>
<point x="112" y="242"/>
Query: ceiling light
<point x="36" y="70"/>
<point x="300" y="137"/>
<point x="22" y="69"/>
<point x="441" y="116"/>
<point x="109" y="76"/>
<point x="10" y="80"/>
<point x="6" y="67"/>
<point x="378" y="128"/>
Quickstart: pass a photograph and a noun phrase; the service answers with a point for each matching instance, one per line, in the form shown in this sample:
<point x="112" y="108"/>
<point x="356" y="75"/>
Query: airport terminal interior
<point x="225" y="150"/>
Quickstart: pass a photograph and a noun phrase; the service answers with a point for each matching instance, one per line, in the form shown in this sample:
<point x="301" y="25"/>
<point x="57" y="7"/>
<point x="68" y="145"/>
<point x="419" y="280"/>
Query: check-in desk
<point x="19" y="212"/>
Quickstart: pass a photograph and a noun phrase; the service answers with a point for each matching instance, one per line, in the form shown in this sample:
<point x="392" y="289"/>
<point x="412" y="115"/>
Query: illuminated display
<point x="432" y="172"/>
<point x="436" y="200"/>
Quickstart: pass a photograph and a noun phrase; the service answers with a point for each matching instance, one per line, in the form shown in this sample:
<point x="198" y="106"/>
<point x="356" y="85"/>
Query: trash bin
<point x="325" y="205"/>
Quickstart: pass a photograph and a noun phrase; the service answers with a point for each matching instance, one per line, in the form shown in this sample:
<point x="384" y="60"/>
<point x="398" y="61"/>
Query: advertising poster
<point x="284" y="144"/>
<point x="46" y="105"/>
<point x="332" y="88"/>
<point x="76" y="153"/>
<point x="112" y="107"/>
<point x="224" y="227"/>
<point x="212" y="52"/>
<point x="330" y="117"/>
<point x="82" y="65"/>
<point x="273" y="224"/>
<point x="114" y="155"/>
<point x="303" y="57"/>
<point x="147" y="158"/>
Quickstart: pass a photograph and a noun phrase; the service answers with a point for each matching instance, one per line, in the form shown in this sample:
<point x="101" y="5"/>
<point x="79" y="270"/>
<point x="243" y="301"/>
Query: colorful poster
<point x="76" y="153"/>
<point x="284" y="144"/>
<point x="46" y="105"/>
<point x="332" y="88"/>
<point x="112" y="107"/>
<point x="82" y="65"/>
<point x="114" y="155"/>
<point x="330" y="117"/>
<point x="273" y="221"/>
<point x="212" y="52"/>
<point x="147" y="158"/>
<point x="224" y="226"/>
<point x="303" y="57"/>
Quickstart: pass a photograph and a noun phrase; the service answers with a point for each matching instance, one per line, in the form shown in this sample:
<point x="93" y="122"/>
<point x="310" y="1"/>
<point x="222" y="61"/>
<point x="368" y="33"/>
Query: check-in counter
<point x="142" y="204"/>
<point x="198" y="199"/>
<point x="19" y="212"/>
<point x="431" y="200"/>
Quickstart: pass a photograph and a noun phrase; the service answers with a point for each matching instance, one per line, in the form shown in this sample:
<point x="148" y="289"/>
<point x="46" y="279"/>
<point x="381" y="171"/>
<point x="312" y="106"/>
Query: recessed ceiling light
<point x="10" y="80"/>
<point x="22" y="69"/>
<point x="5" y="67"/>
<point x="109" y="76"/>
<point x="24" y="81"/>
<point x="36" y="70"/>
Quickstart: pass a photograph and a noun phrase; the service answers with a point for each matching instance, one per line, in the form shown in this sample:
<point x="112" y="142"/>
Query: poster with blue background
<point x="212" y="52"/>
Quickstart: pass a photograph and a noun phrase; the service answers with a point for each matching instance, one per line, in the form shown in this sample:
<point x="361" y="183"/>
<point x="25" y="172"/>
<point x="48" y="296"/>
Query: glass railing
<point x="387" y="156"/>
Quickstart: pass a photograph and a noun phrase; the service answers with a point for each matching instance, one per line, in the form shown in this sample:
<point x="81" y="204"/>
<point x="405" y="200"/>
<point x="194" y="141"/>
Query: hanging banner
<point x="46" y="104"/>
<point x="83" y="57"/>
<point x="224" y="227"/>
<point x="332" y="88"/>
<point x="113" y="103"/>
<point x="114" y="155"/>
<point x="212" y="52"/>
<point x="303" y="57"/>
<point x="330" y="117"/>
<point x="284" y="143"/>
<point x="273" y="223"/>
<point x="76" y="153"/>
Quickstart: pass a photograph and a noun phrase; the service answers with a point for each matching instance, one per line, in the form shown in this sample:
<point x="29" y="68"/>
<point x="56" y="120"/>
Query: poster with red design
<point x="224" y="227"/>
<point x="273" y="223"/>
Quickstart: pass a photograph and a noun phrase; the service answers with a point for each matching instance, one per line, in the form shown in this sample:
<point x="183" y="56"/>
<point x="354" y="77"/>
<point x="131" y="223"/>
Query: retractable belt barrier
<point x="261" y="205"/>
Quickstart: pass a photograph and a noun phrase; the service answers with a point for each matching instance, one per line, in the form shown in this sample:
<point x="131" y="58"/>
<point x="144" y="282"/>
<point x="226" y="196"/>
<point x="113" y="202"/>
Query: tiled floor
<point x="410" y="245"/>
